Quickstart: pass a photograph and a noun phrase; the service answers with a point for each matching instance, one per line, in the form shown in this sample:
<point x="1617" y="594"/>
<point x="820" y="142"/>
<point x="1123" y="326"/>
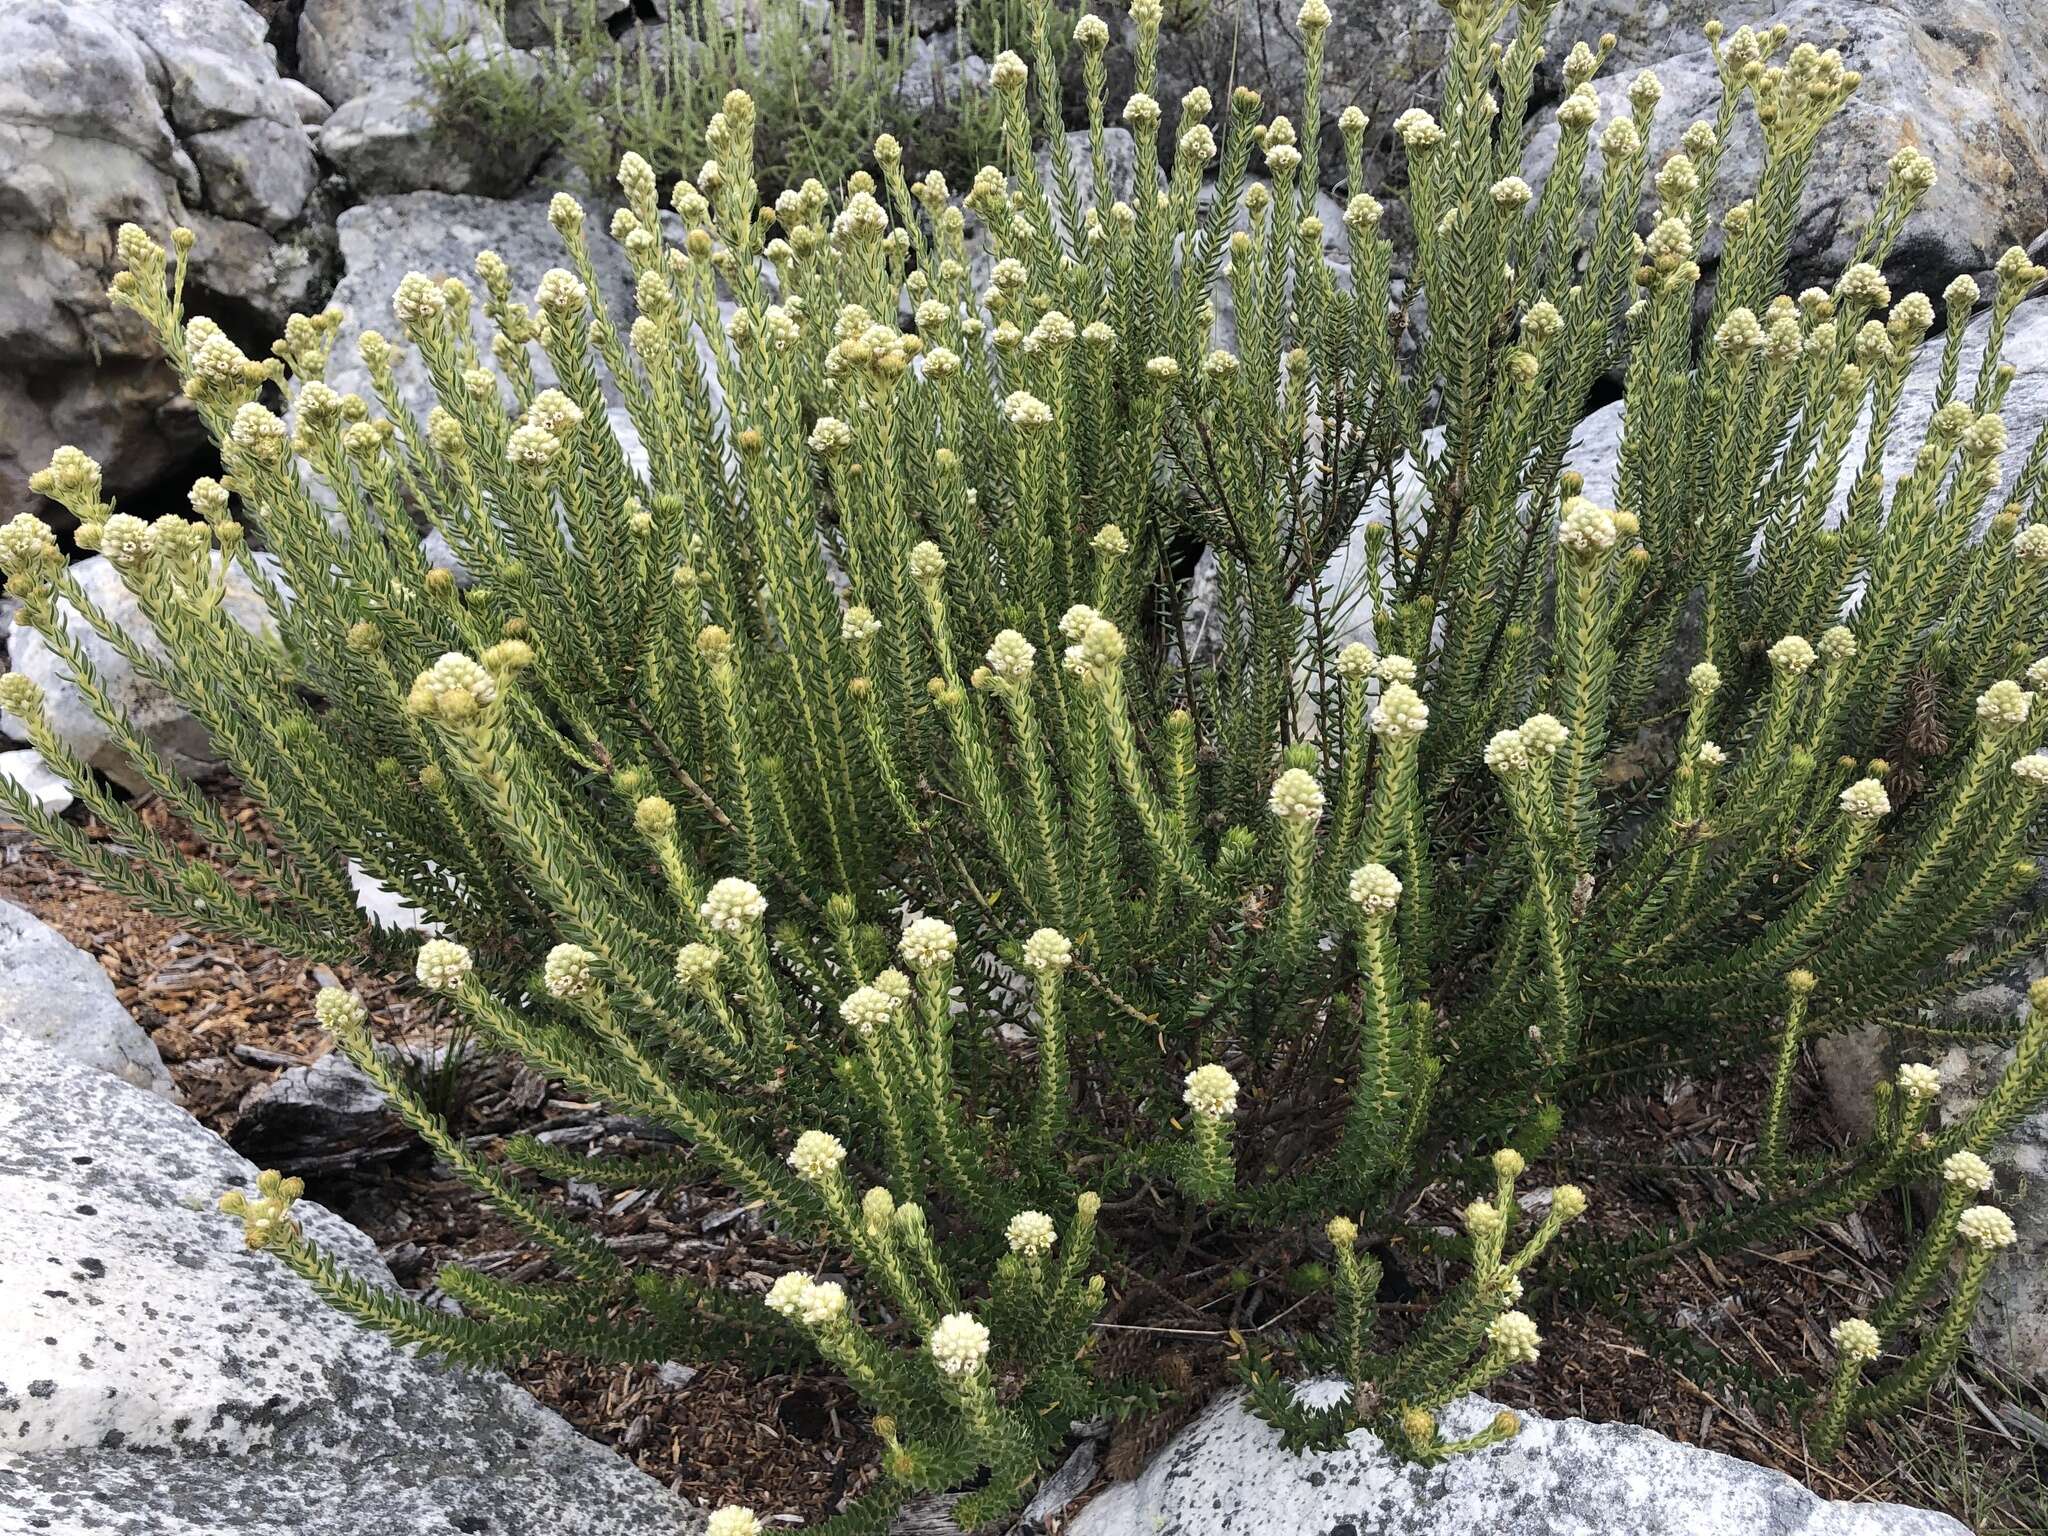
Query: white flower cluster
<point x="959" y="1344"/>
<point x="569" y="971"/>
<point x="1986" y="1226"/>
<point x="1048" y="952"/>
<point x="697" y="965"/>
<point x="1966" y="1170"/>
<point x="338" y="1011"/>
<point x="1375" y="889"/>
<point x="1031" y="1234"/>
<point x="1854" y="1339"/>
<point x="1010" y="655"/>
<point x="1400" y="714"/>
<point x="1296" y="797"/>
<point x="868" y="1009"/>
<point x="1211" y="1091"/>
<point x="817" y="1155"/>
<point x="1917" y="1080"/>
<point x="1865" y="800"/>
<point x="732" y="1520"/>
<point x="2004" y="704"/>
<point x="1793" y="655"/>
<point x="858" y="625"/>
<point x="732" y="905"/>
<point x="928" y="942"/>
<point x="442" y="965"/>
<point x="1585" y="529"/>
<point x="1514" y="1335"/>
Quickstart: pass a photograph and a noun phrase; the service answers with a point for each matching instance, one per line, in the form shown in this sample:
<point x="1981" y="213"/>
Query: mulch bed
<point x="228" y="1018"/>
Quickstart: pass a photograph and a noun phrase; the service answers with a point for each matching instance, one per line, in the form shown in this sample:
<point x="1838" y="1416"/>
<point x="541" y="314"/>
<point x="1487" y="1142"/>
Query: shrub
<point x="838" y="787"/>
<point x="822" y="93"/>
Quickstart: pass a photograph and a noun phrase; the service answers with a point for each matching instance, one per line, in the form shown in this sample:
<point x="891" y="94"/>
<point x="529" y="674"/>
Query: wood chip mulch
<point x="228" y="1018"/>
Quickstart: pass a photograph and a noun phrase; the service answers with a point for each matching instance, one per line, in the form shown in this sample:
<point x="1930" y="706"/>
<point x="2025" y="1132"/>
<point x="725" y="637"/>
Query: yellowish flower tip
<point x="822" y="1304"/>
<point x="1509" y="1163"/>
<point x="339" y="1012"/>
<point x="817" y="1155"/>
<point x="570" y="971"/>
<point x="868" y="1009"/>
<point x="1400" y="713"/>
<point x="786" y="1296"/>
<point x="1966" y="1170"/>
<point x="1791" y="656"/>
<point x="1210" y="1092"/>
<point x="442" y="965"/>
<point x="1865" y="800"/>
<point x="927" y="562"/>
<point x="654" y="817"/>
<point x="1506" y="753"/>
<point x="1481" y="1218"/>
<point x="1569" y="1201"/>
<point x="1375" y="889"/>
<point x="2004" y="705"/>
<point x="732" y="1520"/>
<point x="1047" y="953"/>
<point x="1099" y="651"/>
<point x="1092" y="33"/>
<point x="1919" y="1081"/>
<point x="1986" y="1227"/>
<point x="1514" y="1335"/>
<point x="1030" y="1234"/>
<point x="1010" y="656"/>
<point x="2037" y="994"/>
<point x="959" y="1344"/>
<point x="1355" y="662"/>
<point x="1855" y="1340"/>
<point x="877" y="1210"/>
<point x="697" y="965"/>
<point x="1088" y="1205"/>
<point x="858" y="625"/>
<point x="21" y="697"/>
<point x="1110" y="542"/>
<point x="1543" y="735"/>
<point x="1507" y="1424"/>
<point x="1296" y="798"/>
<point x="1703" y="680"/>
<point x="927" y="943"/>
<point x="1801" y="981"/>
<point x="732" y="906"/>
<point x="1419" y="1425"/>
<point x="1342" y="1232"/>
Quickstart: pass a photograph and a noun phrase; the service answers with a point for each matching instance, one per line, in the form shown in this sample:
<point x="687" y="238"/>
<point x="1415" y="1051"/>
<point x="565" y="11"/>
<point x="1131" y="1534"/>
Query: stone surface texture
<point x="157" y="112"/>
<point x="179" y="737"/>
<point x="1226" y="1472"/>
<point x="157" y="1379"/>
<point x="56" y="994"/>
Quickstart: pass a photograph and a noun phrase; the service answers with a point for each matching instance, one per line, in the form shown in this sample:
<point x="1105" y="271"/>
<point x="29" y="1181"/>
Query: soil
<point x="229" y="1017"/>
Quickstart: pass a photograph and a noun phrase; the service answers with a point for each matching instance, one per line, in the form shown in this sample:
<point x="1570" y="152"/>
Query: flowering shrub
<point x="840" y="781"/>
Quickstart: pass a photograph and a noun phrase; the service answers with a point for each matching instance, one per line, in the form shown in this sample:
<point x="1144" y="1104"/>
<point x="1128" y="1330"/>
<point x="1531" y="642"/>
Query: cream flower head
<point x="1375" y="889"/>
<point x="732" y="906"/>
<point x="1919" y="1081"/>
<point x="959" y="1344"/>
<point x="817" y="1155"/>
<point x="1986" y="1226"/>
<point x="442" y="965"/>
<point x="1865" y="800"/>
<point x="1514" y="1335"/>
<point x="868" y="1009"/>
<point x="1211" y="1092"/>
<point x="1966" y="1170"/>
<point x="1031" y="1234"/>
<point x="569" y="971"/>
<point x="928" y="942"/>
<point x="1296" y="797"/>
<point x="1854" y="1339"/>
<point x="1048" y="952"/>
<point x="1400" y="714"/>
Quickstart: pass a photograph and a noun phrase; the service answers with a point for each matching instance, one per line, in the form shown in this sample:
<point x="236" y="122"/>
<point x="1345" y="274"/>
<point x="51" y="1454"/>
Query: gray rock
<point x="1226" y="1472"/>
<point x="1960" y="81"/>
<point x="157" y="112"/>
<point x="387" y="141"/>
<point x="312" y="107"/>
<point x="350" y="47"/>
<point x="27" y="770"/>
<point x="159" y="1378"/>
<point x="532" y="23"/>
<point x="938" y="71"/>
<point x="55" y="994"/>
<point x="167" y="724"/>
<point x="328" y="1114"/>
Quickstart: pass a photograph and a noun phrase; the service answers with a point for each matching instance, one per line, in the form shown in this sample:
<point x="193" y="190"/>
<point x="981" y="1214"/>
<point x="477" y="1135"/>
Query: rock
<point x="55" y="994"/>
<point x="156" y="112"/>
<point x="157" y="1377"/>
<point x="1596" y="445"/>
<point x="312" y="107"/>
<point x="532" y="23"/>
<point x="27" y="770"/>
<point x="182" y="739"/>
<point x="386" y="141"/>
<point x="1960" y="80"/>
<point x="382" y="905"/>
<point x="326" y="1115"/>
<point x="1226" y="1472"/>
<point x="348" y="48"/>
<point x="938" y="71"/>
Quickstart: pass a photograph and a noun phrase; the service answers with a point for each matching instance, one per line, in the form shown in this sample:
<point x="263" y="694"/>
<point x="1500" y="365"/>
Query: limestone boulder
<point x="54" y="993"/>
